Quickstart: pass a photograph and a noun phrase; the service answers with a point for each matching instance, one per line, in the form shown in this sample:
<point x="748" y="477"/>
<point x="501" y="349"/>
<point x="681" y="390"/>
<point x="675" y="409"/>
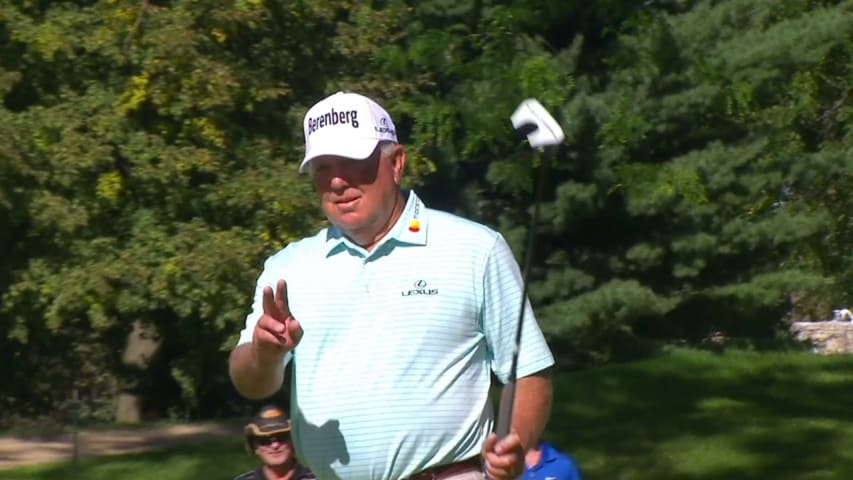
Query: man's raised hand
<point x="276" y="332"/>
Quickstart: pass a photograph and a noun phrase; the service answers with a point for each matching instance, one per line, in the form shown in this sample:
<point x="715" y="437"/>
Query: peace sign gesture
<point x="276" y="332"/>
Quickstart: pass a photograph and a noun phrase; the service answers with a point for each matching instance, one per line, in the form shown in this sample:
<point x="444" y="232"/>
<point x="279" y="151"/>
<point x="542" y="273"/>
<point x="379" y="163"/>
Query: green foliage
<point x="693" y="129"/>
<point x="149" y="153"/>
<point x="706" y="131"/>
<point x="598" y="323"/>
<point x="150" y="167"/>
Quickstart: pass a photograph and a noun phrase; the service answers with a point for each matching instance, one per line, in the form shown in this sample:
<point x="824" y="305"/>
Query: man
<point x="268" y="436"/>
<point x="546" y="462"/>
<point x="394" y="317"/>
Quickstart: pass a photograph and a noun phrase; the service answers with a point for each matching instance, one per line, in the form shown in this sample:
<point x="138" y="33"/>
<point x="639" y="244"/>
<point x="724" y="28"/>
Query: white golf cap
<point x="345" y="125"/>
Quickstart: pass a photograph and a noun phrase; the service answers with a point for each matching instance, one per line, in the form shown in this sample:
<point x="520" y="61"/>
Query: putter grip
<point x="505" y="410"/>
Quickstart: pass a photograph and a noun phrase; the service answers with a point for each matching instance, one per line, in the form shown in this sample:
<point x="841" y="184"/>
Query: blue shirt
<point x="553" y="465"/>
<point x="392" y="374"/>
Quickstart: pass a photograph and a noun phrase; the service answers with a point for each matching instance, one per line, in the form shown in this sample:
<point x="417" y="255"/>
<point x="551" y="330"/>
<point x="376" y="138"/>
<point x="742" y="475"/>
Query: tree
<point x="679" y="208"/>
<point x="150" y="151"/>
<point x="160" y="141"/>
<point x="703" y="128"/>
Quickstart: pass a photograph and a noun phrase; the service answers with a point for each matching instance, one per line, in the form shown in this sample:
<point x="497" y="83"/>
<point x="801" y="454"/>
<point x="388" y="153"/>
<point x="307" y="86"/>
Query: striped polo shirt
<point x="392" y="373"/>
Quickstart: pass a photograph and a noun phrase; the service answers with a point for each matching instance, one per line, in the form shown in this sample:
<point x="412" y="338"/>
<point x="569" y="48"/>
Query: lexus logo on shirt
<point x="420" y="289"/>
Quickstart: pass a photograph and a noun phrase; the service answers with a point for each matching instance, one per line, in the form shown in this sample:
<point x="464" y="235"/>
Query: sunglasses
<point x="278" y="437"/>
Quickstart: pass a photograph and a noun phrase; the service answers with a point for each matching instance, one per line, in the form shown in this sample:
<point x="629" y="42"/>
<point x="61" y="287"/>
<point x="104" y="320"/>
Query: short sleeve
<point x="502" y="293"/>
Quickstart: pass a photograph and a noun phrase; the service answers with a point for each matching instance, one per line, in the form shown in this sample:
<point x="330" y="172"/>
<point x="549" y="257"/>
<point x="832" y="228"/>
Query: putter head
<point x="531" y="119"/>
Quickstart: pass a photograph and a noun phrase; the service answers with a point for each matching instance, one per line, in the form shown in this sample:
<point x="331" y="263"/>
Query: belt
<point x="440" y="472"/>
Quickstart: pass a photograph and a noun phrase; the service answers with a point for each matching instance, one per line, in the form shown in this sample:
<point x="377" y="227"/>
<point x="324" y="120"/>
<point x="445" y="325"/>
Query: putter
<point x="530" y="120"/>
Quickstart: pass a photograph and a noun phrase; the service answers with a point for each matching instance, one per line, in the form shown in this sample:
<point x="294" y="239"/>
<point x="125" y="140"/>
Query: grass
<point x="699" y="415"/>
<point x="684" y="415"/>
<point x="41" y="429"/>
<point x="210" y="460"/>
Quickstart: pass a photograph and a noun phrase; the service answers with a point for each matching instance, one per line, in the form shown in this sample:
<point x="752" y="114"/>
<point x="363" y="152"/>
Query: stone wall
<point x="825" y="337"/>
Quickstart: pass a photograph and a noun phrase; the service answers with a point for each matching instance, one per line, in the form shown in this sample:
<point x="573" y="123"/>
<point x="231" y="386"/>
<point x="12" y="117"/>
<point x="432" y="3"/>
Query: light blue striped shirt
<point x="393" y="372"/>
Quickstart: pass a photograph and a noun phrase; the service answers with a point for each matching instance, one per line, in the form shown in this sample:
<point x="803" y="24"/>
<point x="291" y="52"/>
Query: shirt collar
<point x="410" y="229"/>
<point x="546" y="455"/>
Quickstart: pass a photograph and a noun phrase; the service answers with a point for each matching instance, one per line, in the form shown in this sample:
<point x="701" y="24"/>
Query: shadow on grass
<point x="727" y="416"/>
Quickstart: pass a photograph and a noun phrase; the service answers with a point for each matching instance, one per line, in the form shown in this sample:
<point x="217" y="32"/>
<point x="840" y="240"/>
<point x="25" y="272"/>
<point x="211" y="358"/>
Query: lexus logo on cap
<point x="420" y="289"/>
<point x="384" y="128"/>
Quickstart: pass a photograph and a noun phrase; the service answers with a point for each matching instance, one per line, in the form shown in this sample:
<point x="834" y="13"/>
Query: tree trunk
<point x="142" y="344"/>
<point x="128" y="408"/>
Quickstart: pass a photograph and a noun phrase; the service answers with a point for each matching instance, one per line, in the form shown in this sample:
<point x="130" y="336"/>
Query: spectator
<point x="268" y="437"/>
<point x="547" y="462"/>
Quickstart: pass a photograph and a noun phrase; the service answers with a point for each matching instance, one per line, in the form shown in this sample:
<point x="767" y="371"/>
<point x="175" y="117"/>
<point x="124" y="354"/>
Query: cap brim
<point x="256" y="430"/>
<point x="356" y="149"/>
